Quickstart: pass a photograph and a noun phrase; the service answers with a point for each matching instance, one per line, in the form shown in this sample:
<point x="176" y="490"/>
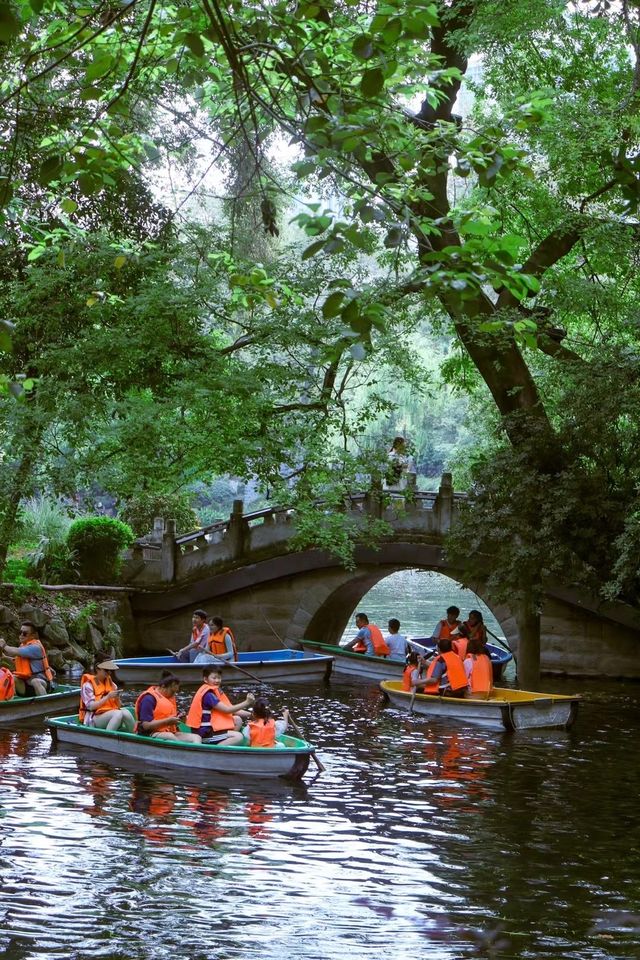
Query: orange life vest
<point x="406" y="677"/>
<point x="380" y="648"/>
<point x="24" y="668"/>
<point x="477" y="632"/>
<point x="262" y="733"/>
<point x="100" y="689"/>
<point x="481" y="679"/>
<point x="446" y="629"/>
<point x="220" y="721"/>
<point x="459" y="645"/>
<point x="163" y="707"/>
<point x="456" y="677"/>
<point x="217" y="645"/>
<point x="7" y="684"/>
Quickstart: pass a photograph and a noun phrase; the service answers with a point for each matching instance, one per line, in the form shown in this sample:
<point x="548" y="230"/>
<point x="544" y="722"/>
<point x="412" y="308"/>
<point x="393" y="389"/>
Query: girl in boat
<point x="473" y="628"/>
<point x="221" y="643"/>
<point x="412" y="678"/>
<point x="263" y="728"/>
<point x="100" y="700"/>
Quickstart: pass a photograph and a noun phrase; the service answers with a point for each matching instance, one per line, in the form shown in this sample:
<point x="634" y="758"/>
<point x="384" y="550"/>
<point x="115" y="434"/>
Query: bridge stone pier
<point x="248" y="570"/>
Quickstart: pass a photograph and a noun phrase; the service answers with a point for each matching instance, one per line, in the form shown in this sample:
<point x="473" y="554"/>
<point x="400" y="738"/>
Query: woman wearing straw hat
<point x="100" y="700"/>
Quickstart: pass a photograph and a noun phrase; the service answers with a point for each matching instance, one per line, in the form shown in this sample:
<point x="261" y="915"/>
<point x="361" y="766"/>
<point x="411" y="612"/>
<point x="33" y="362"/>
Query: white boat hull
<point x="28" y="708"/>
<point x="291" y="763"/>
<point x="507" y="710"/>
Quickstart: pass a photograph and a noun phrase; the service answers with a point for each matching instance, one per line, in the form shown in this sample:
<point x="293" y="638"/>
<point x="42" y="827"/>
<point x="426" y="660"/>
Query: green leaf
<point x="99" y="66"/>
<point x="362" y="47"/>
<point x="372" y="82"/>
<point x="332" y="305"/>
<point x="9" y="23"/>
<point x="88" y="184"/>
<point x="195" y="44"/>
<point x="36" y="5"/>
<point x="69" y="205"/>
<point x="312" y="249"/>
<point x="50" y="169"/>
<point x="119" y="262"/>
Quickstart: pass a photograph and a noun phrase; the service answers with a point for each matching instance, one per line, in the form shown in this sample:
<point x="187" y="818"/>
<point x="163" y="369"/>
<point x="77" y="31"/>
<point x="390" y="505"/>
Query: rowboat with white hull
<point x="361" y="666"/>
<point x="290" y="760"/>
<point x="269" y="666"/>
<point x="505" y="709"/>
<point x="63" y="698"/>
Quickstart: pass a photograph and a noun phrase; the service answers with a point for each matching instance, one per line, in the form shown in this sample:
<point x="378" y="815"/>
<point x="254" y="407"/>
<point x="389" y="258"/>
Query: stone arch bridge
<point x="247" y="569"/>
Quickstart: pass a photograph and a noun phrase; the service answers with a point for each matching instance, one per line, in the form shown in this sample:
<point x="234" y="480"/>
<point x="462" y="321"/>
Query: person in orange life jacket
<point x="262" y="729"/>
<point x="446" y="676"/>
<point x="477" y="666"/>
<point x="33" y="675"/>
<point x="221" y="644"/>
<point x="7" y="684"/>
<point x="368" y="639"/>
<point x="157" y="712"/>
<point x="100" y="700"/>
<point x="212" y="715"/>
<point x="199" y="642"/>
<point x="472" y="629"/>
<point x="448" y="626"/>
<point x="412" y="677"/>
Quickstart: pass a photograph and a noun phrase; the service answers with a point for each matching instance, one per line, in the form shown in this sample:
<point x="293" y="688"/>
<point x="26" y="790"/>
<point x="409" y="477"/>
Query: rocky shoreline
<point x="74" y="627"/>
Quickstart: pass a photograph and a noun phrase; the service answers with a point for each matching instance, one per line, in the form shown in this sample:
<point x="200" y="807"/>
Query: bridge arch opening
<point x="417" y="597"/>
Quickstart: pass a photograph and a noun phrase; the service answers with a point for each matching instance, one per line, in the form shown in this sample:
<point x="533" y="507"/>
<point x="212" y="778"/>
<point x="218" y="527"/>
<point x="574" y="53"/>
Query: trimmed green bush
<point x="97" y="543"/>
<point x="141" y="511"/>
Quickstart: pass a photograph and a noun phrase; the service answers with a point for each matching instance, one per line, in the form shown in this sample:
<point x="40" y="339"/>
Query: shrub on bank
<point x="97" y="543"/>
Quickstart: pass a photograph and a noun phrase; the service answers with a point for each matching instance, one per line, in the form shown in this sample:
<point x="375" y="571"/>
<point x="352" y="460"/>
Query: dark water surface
<point x="421" y="840"/>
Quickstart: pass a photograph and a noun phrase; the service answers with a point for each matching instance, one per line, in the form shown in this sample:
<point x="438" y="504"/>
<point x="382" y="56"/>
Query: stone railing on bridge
<point x="164" y="558"/>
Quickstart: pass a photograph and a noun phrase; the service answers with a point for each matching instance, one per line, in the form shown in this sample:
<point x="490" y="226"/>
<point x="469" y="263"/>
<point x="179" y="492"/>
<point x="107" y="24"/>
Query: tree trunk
<point x="528" y="623"/>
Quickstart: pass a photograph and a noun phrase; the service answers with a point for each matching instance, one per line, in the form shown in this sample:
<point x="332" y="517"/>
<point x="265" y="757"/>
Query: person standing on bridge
<point x="401" y="467"/>
<point x="368" y="639"/>
<point x="199" y="642"/>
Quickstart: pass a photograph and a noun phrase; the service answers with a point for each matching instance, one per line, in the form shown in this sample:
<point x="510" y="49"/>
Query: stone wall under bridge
<point x="306" y="594"/>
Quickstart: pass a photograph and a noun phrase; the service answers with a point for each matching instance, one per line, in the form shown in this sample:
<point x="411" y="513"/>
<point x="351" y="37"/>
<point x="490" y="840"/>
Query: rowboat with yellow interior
<point x="505" y="709"/>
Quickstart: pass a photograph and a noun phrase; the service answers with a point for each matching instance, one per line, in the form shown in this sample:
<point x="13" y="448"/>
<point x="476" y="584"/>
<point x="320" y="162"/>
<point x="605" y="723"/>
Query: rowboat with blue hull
<point x="269" y="666"/>
<point x="505" y="709"/>
<point x="60" y="700"/>
<point x="361" y="666"/>
<point x="290" y="760"/>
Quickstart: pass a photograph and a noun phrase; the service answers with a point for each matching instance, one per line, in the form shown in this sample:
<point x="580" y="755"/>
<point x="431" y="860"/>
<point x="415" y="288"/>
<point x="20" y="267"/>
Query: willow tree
<point x="476" y="215"/>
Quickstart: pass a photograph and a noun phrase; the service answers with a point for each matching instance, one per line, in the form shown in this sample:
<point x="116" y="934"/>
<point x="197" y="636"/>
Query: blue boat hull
<point x="270" y="666"/>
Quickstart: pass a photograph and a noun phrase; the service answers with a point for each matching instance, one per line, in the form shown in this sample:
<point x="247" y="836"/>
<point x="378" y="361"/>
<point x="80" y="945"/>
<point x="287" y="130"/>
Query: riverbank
<point x="75" y="624"/>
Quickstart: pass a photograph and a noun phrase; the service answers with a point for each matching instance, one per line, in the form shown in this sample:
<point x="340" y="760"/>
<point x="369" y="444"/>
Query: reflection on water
<point x="421" y="839"/>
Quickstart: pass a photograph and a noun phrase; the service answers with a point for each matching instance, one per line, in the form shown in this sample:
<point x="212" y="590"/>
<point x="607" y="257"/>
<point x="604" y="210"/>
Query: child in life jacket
<point x="262" y="729"/>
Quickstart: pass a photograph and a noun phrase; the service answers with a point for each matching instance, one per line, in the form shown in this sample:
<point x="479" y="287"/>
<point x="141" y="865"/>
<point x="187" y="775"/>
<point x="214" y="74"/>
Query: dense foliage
<point x="157" y="351"/>
<point x="97" y="543"/>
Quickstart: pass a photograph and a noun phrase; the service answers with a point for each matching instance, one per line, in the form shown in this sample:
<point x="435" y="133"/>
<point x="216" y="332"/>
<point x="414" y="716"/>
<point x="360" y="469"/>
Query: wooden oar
<point x="222" y="663"/>
<point x="319" y="764"/>
<point x="503" y="644"/>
